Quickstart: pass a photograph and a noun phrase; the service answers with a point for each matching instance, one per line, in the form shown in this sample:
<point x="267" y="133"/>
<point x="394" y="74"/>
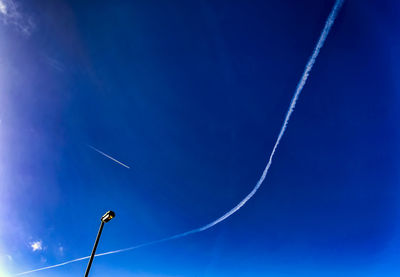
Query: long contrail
<point x="108" y="156"/>
<point x="328" y="24"/>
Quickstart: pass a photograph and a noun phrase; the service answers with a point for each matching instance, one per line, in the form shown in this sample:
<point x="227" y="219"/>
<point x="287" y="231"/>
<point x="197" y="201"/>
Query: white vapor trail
<point x="328" y="24"/>
<point x="108" y="156"/>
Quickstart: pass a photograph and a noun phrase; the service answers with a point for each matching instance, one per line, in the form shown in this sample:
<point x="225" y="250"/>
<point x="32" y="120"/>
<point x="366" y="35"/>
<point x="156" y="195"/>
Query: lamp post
<point x="105" y="218"/>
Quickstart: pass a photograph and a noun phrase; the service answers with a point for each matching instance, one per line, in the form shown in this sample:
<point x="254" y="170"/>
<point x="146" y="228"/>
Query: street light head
<point x="108" y="216"/>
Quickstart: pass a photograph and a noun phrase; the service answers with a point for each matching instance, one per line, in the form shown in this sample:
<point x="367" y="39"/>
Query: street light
<point x="105" y="218"/>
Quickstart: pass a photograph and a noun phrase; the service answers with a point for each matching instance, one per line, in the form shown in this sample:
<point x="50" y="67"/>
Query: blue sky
<point x="191" y="96"/>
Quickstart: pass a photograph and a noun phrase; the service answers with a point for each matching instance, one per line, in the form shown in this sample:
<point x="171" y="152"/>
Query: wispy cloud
<point x="36" y="245"/>
<point x="108" y="156"/>
<point x="8" y="257"/>
<point x="328" y="25"/>
<point x="54" y="63"/>
<point x="10" y="14"/>
<point x="3" y="8"/>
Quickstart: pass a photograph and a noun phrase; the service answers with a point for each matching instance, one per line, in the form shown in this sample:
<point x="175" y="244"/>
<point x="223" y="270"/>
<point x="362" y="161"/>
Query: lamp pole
<point x="105" y="218"/>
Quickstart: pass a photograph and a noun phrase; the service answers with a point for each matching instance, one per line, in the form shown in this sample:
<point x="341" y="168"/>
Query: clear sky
<point x="189" y="97"/>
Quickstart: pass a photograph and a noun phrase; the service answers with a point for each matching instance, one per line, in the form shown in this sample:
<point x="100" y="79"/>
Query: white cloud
<point x="10" y="15"/>
<point x="3" y="7"/>
<point x="36" y="245"/>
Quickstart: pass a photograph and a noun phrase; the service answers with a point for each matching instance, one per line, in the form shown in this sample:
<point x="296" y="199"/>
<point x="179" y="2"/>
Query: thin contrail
<point x="108" y="156"/>
<point x="328" y="24"/>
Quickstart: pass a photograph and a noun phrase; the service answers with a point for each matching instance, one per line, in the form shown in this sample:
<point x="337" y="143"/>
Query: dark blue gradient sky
<point x="191" y="95"/>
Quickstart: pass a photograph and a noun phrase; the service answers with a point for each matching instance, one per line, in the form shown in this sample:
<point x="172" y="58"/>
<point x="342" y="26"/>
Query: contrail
<point x="328" y="24"/>
<point x="53" y="266"/>
<point x="108" y="156"/>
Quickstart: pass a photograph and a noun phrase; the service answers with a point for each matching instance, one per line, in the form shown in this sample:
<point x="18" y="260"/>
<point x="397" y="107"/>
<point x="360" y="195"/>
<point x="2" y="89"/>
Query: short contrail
<point x="328" y="24"/>
<point x="108" y="156"/>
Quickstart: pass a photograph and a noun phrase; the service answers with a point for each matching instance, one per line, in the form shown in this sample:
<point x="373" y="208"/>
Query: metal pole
<point x="94" y="249"/>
